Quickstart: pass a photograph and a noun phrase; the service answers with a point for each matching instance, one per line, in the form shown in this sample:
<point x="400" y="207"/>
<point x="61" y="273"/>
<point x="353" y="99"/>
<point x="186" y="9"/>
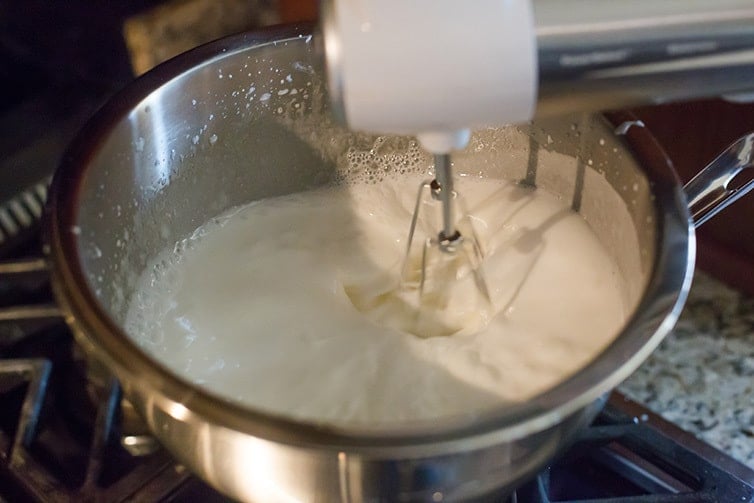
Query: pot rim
<point x="99" y="334"/>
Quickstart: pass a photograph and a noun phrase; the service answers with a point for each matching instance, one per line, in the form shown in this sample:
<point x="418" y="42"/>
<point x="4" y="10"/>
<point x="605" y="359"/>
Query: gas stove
<point x="66" y="438"/>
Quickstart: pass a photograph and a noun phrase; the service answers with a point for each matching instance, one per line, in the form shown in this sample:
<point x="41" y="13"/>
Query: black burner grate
<point x="48" y="454"/>
<point x="632" y="456"/>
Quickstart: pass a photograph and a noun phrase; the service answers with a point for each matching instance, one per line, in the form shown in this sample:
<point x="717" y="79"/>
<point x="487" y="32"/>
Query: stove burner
<point x="60" y="441"/>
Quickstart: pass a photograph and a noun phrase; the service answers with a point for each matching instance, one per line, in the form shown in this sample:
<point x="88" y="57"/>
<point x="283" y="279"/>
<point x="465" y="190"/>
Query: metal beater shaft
<point x="445" y="179"/>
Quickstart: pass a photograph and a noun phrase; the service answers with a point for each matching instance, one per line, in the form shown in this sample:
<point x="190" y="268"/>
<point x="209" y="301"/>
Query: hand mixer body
<point x="435" y="67"/>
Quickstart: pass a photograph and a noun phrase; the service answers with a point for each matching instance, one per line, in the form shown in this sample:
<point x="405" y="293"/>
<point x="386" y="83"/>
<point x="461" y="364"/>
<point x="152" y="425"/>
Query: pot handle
<point x="708" y="193"/>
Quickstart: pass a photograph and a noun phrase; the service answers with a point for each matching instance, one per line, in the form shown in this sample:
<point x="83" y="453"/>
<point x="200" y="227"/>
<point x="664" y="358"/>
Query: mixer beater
<point x="460" y="251"/>
<point x="449" y="237"/>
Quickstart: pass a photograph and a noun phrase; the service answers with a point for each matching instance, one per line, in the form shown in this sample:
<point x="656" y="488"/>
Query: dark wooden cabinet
<point x="292" y="11"/>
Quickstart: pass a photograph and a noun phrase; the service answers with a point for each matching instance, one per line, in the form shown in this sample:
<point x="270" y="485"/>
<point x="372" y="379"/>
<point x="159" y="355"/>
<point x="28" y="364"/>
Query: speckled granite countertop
<point x="702" y="375"/>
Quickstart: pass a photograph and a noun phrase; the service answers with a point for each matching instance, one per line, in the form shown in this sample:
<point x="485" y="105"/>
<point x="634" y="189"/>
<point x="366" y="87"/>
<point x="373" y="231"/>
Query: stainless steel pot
<point x="221" y="126"/>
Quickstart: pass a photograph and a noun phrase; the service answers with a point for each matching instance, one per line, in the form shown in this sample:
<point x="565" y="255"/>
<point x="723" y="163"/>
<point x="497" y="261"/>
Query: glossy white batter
<point x="291" y="305"/>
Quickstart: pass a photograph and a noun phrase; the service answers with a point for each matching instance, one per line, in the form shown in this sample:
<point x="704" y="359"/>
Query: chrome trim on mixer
<point x="610" y="55"/>
<point x="329" y="44"/>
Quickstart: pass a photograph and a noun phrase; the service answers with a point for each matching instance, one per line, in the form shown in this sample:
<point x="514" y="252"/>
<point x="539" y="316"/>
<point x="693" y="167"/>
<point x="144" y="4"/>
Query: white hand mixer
<point x="438" y="68"/>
